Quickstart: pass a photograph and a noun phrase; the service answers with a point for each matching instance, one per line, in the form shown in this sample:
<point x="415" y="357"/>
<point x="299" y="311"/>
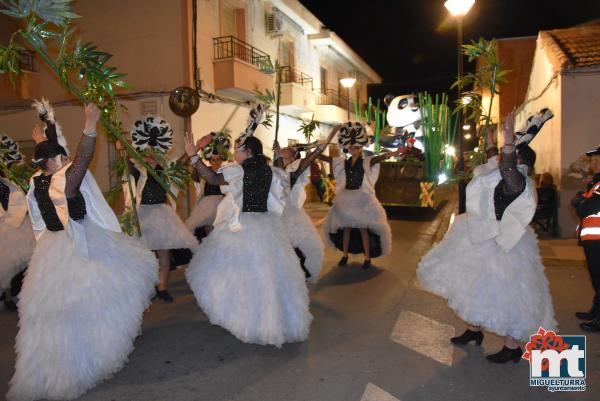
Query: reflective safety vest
<point x="590" y="225"/>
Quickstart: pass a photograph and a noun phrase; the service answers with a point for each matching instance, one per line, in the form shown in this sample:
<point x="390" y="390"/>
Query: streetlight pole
<point x="460" y="8"/>
<point x="348" y="83"/>
<point x="462" y="187"/>
<point x="348" y="104"/>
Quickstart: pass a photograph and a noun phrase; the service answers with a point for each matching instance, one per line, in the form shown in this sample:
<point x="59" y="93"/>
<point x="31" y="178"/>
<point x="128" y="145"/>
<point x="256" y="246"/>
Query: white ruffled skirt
<point x="162" y="228"/>
<point x="79" y="316"/>
<point x="358" y="209"/>
<point x="204" y="212"/>
<point x="16" y="248"/>
<point x="250" y="282"/>
<point x="504" y="292"/>
<point x="303" y="234"/>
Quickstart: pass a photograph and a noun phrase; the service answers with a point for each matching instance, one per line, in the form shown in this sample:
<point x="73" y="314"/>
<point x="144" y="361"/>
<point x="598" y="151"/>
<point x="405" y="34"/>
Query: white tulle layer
<point x="78" y="316"/>
<point x="304" y="235"/>
<point x="204" y="212"/>
<point x="504" y="292"/>
<point x="250" y="282"/>
<point x="162" y="228"/>
<point x="359" y="209"/>
<point x="16" y="248"/>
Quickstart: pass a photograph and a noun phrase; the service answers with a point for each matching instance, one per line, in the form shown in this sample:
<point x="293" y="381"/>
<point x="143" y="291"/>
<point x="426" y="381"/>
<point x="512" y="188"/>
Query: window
<point x="324" y="80"/>
<point x="233" y="22"/>
<point x="286" y="53"/>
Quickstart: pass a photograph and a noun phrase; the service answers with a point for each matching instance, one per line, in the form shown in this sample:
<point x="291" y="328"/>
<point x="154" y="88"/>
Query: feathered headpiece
<point x="9" y="151"/>
<point x="256" y="116"/>
<point x="219" y="146"/>
<point x="533" y="125"/>
<point x="152" y="132"/>
<point x="352" y="134"/>
<point x="55" y="143"/>
<point x="593" y="152"/>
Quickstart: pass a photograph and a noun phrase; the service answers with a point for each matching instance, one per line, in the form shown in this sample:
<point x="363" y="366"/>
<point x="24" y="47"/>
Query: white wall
<point x="211" y="117"/>
<point x="580" y="133"/>
<point x="18" y="125"/>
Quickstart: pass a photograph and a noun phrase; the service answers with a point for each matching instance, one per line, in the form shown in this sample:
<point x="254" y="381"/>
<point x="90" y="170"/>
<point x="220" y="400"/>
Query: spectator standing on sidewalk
<point x="587" y="205"/>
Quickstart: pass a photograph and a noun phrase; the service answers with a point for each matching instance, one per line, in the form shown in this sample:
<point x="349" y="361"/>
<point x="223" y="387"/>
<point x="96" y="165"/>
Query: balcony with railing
<point x="333" y="107"/>
<point x="240" y="68"/>
<point x="296" y="90"/>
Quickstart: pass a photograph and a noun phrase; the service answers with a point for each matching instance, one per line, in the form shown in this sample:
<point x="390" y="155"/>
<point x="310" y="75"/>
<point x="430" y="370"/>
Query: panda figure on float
<point x="404" y="115"/>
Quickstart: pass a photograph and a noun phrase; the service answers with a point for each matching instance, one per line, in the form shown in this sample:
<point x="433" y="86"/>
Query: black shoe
<point x="467" y="337"/>
<point x="592" y="325"/>
<point x="164" y="296"/>
<point x="587" y="316"/>
<point x="506" y="354"/>
<point x="10" y="305"/>
<point x="343" y="261"/>
<point x="366" y="264"/>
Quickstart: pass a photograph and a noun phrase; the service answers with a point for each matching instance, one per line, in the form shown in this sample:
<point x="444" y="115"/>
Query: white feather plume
<point x="45" y="111"/>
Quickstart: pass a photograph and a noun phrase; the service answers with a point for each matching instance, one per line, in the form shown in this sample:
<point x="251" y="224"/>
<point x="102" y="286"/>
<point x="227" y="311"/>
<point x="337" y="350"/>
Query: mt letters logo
<point x="556" y="362"/>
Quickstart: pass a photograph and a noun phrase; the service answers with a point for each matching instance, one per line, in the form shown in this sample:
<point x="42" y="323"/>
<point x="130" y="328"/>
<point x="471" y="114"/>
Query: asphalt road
<point x="376" y="336"/>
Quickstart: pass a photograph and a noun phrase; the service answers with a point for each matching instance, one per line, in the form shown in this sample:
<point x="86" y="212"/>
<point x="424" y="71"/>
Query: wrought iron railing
<point x="27" y="61"/>
<point x="226" y="47"/>
<point x="333" y="97"/>
<point x="290" y="74"/>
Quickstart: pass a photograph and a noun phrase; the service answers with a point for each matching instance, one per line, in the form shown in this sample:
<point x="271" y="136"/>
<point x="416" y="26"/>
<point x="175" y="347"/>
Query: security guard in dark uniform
<point x="587" y="205"/>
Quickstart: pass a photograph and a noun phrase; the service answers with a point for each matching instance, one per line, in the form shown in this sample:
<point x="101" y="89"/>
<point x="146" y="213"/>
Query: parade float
<point x="425" y="127"/>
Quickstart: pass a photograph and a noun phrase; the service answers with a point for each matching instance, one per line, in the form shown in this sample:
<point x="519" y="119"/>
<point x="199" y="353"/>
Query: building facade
<point x="236" y="42"/>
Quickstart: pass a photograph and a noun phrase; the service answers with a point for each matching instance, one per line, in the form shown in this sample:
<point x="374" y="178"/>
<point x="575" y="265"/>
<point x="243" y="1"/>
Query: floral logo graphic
<point x="544" y="340"/>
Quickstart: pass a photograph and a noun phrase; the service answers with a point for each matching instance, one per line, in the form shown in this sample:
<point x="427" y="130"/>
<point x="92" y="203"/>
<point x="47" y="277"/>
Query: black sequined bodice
<point x="257" y="183"/>
<point x="354" y="173"/>
<point x="47" y="209"/>
<point x="76" y="204"/>
<point x="210" y="189"/>
<point x="4" y="194"/>
<point x="502" y="200"/>
<point x="153" y="193"/>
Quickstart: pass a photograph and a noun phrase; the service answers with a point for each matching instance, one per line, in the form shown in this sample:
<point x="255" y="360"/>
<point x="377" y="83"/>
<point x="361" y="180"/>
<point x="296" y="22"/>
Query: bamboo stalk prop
<point x="357" y="110"/>
<point x="277" y="100"/>
<point x="96" y="80"/>
<point x="433" y="123"/>
<point x="230" y="118"/>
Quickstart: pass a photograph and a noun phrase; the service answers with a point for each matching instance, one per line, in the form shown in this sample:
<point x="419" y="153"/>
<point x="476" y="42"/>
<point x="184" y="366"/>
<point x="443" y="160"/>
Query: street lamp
<point x="458" y="9"/>
<point x="348" y="83"/>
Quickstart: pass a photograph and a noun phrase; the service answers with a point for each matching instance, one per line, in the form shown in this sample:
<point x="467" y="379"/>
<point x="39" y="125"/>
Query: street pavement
<point x="376" y="336"/>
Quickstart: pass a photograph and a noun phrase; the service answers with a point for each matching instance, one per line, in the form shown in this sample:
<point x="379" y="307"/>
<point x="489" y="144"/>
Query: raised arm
<point x="277" y="159"/>
<point x="85" y="151"/>
<point x="385" y="156"/>
<point x="191" y="149"/>
<point x="491" y="148"/>
<point x="514" y="181"/>
<point x="325" y="158"/>
<point x="308" y="160"/>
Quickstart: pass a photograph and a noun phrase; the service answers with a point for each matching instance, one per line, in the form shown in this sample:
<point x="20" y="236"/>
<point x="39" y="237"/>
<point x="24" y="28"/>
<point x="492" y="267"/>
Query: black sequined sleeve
<point x="514" y="181"/>
<point x="83" y="158"/>
<point x="4" y="195"/>
<point x="306" y="162"/>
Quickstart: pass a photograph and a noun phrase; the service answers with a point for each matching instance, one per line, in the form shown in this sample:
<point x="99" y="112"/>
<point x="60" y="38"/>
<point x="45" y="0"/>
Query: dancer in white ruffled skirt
<point x="87" y="285"/>
<point x="357" y="222"/>
<point x="488" y="265"/>
<point x="298" y="225"/>
<point x="162" y="228"/>
<point x="204" y="212"/>
<point x="16" y="236"/>
<point x="245" y="274"/>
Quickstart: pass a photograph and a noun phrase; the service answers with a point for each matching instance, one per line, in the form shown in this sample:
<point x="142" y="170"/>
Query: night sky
<point x="412" y="44"/>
